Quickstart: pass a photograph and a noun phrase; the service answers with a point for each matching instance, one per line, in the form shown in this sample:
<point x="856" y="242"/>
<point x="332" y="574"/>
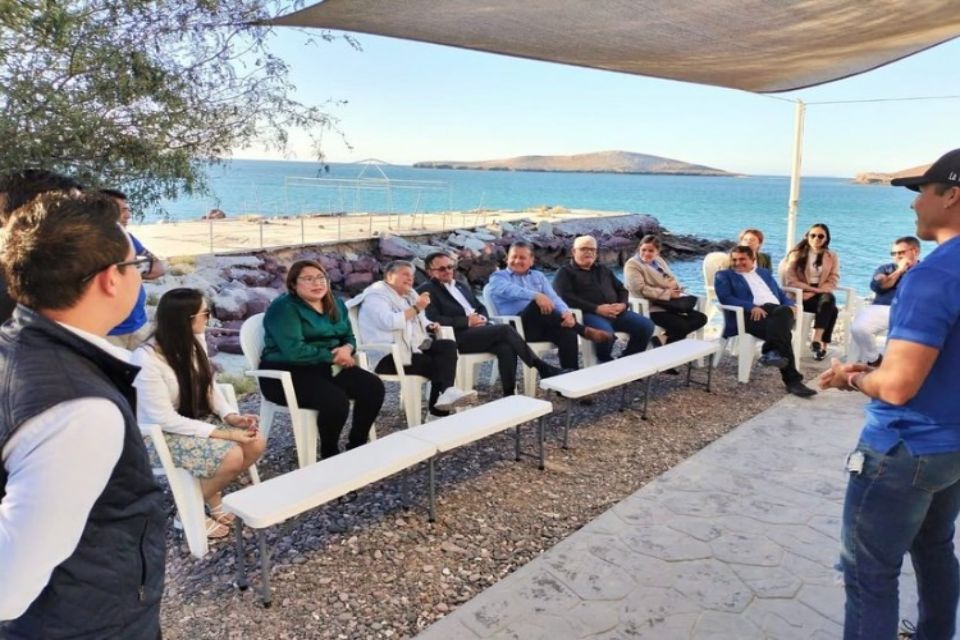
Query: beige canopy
<point x="754" y="45"/>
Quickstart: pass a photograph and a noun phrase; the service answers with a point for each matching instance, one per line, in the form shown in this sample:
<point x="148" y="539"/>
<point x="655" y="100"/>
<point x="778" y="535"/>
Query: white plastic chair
<point x="744" y="345"/>
<point x="587" y="348"/>
<point x="803" y="333"/>
<point x="185" y="486"/>
<point x="538" y="348"/>
<point x="411" y="386"/>
<point x="303" y="421"/>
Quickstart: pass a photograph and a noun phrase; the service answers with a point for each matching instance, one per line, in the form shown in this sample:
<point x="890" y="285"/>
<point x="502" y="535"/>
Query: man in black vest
<point x="81" y="517"/>
<point x="453" y="304"/>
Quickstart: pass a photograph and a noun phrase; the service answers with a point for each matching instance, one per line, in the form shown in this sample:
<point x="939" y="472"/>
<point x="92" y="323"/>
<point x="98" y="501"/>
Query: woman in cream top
<point x="176" y="390"/>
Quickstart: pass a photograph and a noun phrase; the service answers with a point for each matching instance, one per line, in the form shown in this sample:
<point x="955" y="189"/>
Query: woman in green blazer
<point x="307" y="332"/>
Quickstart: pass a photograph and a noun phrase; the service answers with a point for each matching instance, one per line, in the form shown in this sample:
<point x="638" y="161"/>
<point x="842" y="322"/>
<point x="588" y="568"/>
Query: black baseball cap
<point x="946" y="170"/>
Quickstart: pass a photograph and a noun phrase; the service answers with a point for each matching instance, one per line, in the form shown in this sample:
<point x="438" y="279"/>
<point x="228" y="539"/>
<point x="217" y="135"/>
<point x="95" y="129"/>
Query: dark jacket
<point x="585" y="289"/>
<point x="444" y="308"/>
<point x="732" y="289"/>
<point x="295" y="333"/>
<point x="110" y="586"/>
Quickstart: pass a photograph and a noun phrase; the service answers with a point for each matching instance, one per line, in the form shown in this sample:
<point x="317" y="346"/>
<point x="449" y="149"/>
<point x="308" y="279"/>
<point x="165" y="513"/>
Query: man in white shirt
<point x="81" y="517"/>
<point x="768" y="314"/>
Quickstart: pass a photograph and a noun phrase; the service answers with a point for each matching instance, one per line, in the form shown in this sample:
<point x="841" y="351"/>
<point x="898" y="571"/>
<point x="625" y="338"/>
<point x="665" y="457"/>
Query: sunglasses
<point x="818" y="236"/>
<point x="144" y="265"/>
<point x="205" y="312"/>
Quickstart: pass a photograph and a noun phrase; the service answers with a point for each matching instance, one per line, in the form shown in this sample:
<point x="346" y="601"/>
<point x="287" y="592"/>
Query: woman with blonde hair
<point x="176" y="389"/>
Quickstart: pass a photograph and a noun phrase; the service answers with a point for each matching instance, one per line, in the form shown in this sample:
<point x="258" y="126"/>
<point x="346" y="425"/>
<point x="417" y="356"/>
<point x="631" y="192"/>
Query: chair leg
<point x="189" y="500"/>
<point x="267" y="411"/>
<point x="745" y="359"/>
<point x="529" y="381"/>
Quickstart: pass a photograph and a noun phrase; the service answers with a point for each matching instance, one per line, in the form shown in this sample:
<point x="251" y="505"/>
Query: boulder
<point x="354" y="283"/>
<point x="215" y="214"/>
<point x="395" y="247"/>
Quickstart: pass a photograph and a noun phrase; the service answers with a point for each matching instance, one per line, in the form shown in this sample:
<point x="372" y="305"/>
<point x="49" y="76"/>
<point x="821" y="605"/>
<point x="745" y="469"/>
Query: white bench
<point x="622" y="371"/>
<point x="291" y="494"/>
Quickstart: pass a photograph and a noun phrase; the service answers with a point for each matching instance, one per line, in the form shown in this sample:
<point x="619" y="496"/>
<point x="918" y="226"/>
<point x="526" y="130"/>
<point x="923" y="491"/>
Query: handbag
<point x="683" y="304"/>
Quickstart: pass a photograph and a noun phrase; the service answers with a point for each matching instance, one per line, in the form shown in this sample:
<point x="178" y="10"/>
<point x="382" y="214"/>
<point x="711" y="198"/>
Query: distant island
<point x="876" y="177"/>
<point x="599" y="162"/>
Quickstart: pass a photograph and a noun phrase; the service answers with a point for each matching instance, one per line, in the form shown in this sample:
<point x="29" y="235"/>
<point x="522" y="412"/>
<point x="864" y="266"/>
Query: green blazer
<point x="295" y="333"/>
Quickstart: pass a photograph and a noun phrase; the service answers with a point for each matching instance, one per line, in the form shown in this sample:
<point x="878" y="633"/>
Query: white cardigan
<point x="158" y="395"/>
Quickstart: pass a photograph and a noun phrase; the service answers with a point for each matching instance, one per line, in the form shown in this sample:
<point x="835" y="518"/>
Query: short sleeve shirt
<point x="925" y="310"/>
<point x="137" y="317"/>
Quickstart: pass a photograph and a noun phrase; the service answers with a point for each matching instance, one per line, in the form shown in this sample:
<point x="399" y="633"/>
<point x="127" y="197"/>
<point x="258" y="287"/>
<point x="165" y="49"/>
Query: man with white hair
<point x="595" y="290"/>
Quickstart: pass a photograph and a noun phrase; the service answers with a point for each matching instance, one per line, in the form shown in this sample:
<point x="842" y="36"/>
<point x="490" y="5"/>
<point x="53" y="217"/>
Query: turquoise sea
<point x="863" y="219"/>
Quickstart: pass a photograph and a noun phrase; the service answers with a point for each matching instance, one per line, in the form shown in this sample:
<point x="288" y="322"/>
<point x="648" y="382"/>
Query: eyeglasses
<point x="144" y="265"/>
<point x="446" y="267"/>
<point x="818" y="236"/>
<point x="898" y="253"/>
<point x="205" y="312"/>
<point x="313" y="279"/>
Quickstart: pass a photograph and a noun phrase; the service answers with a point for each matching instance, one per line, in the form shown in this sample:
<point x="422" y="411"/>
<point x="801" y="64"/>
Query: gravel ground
<point x="371" y="569"/>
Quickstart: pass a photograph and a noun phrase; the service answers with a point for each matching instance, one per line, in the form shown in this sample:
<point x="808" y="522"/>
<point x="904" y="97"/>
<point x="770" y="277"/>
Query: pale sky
<point x="409" y="101"/>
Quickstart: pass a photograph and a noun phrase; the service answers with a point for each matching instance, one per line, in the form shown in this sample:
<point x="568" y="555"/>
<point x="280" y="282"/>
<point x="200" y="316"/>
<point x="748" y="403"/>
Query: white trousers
<point x="871" y="321"/>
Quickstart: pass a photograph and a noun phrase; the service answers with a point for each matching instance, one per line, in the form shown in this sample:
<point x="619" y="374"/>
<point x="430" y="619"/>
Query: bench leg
<point x="540" y="438"/>
<point x="689" y="372"/>
<point x="623" y="396"/>
<point x="265" y="596"/>
<point x="566" y="424"/>
<point x="516" y="442"/>
<point x="242" y="583"/>
<point x="709" y="373"/>
<point x="431" y="491"/>
<point x="646" y="397"/>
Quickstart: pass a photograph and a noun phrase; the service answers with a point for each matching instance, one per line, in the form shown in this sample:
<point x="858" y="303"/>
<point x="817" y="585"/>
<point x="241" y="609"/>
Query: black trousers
<point x="503" y="341"/>
<point x="824" y="306"/>
<point x="539" y="326"/>
<point x="438" y="364"/>
<point x="678" y="325"/>
<point x="774" y="330"/>
<point x="317" y="388"/>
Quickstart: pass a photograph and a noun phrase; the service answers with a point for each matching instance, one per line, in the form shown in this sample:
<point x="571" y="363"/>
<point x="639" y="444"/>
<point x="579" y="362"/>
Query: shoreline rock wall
<point x="242" y="285"/>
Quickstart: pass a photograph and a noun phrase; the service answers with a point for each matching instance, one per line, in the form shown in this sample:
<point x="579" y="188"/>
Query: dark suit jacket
<point x="732" y="288"/>
<point x="445" y="309"/>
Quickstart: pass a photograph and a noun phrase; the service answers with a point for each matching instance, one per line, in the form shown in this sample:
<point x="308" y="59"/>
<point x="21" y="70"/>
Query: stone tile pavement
<point x="739" y="541"/>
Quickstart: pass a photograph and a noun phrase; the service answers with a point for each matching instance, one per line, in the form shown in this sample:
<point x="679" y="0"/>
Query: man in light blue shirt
<point x="518" y="290"/>
<point x="903" y="493"/>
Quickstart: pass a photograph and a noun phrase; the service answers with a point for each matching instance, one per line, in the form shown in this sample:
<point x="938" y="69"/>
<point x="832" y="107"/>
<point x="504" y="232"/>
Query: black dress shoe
<point x="548" y="370"/>
<point x="800" y="390"/>
<point x="773" y="359"/>
<point x="819" y="351"/>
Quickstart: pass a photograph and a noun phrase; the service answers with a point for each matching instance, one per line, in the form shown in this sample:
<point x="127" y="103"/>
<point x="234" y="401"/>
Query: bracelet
<point x="852" y="380"/>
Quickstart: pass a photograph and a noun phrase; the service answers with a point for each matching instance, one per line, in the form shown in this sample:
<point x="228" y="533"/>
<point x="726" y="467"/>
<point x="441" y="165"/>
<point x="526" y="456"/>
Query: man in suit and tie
<point x="768" y="314"/>
<point x="453" y="304"/>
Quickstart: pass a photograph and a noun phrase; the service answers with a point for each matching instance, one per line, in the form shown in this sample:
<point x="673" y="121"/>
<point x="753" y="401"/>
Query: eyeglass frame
<point x="820" y="236"/>
<point x="205" y="312"/>
<point x="147" y="260"/>
<point x="313" y="279"/>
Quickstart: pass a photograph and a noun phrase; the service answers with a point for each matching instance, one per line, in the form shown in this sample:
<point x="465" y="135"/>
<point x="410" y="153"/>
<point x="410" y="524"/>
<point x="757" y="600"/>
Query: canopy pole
<point x="794" y="203"/>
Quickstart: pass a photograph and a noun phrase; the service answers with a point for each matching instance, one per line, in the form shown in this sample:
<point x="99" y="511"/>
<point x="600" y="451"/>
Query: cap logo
<point x="953" y="176"/>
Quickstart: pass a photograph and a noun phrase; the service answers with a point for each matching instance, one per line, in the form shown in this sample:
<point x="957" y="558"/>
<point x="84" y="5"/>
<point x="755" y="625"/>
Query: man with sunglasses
<point x="81" y="517"/>
<point x="453" y="304"/>
<point x="134" y="329"/>
<point x="903" y="488"/>
<point x="873" y="319"/>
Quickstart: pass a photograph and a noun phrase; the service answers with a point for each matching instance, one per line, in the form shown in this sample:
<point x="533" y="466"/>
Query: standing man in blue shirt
<point x="874" y="318"/>
<point x="904" y="487"/>
<point x="135" y="328"/>
<point x="519" y="290"/>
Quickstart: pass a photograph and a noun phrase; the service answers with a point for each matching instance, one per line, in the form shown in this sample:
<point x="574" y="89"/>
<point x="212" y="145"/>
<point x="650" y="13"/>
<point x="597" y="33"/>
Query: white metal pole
<point x="794" y="203"/>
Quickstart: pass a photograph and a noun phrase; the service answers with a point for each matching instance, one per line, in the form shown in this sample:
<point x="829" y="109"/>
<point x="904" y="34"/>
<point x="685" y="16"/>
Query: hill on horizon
<point x="597" y="162"/>
<point x="877" y="177"/>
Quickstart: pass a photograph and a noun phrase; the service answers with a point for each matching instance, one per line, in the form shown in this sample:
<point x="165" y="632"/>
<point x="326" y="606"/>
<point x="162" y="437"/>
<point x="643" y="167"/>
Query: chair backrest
<point x="713" y="262"/>
<point x="488" y="301"/>
<point x="251" y="340"/>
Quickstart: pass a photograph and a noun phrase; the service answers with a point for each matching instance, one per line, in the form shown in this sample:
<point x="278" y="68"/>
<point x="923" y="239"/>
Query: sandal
<point x="216" y="530"/>
<point x="221" y="515"/>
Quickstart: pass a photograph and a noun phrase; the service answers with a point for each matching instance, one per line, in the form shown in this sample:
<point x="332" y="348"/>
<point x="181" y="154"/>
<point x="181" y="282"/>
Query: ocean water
<point x="863" y="220"/>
